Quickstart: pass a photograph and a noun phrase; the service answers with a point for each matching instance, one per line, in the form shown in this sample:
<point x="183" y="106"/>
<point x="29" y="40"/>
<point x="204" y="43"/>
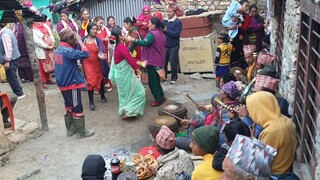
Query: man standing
<point x="9" y="49"/>
<point x="172" y="31"/>
<point x="70" y="81"/>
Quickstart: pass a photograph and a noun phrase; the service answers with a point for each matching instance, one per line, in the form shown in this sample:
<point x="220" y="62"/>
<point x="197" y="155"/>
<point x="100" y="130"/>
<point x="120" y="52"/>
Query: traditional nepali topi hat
<point x="231" y="89"/>
<point x="266" y="82"/>
<point x="265" y="58"/>
<point x="251" y="155"/>
<point x="166" y="139"/>
<point x="207" y="138"/>
<point x="65" y="33"/>
<point x="249" y="49"/>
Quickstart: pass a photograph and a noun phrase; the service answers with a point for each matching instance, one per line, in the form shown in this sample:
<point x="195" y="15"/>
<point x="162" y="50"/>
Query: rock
<point x="201" y="96"/>
<point x="212" y="8"/>
<point x="17" y="137"/>
<point x="191" y="7"/>
<point x="195" y="76"/>
<point x="209" y="3"/>
<point x="209" y="76"/>
<point x="4" y="158"/>
<point x="202" y="3"/>
<point x="180" y="89"/>
<point x="216" y="3"/>
<point x="29" y="175"/>
<point x="29" y="127"/>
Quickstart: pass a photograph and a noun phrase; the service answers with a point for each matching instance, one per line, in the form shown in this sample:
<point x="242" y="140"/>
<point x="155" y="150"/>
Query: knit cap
<point x="207" y="138"/>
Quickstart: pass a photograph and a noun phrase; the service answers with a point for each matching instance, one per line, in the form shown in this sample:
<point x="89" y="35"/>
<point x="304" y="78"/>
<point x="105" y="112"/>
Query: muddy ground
<point x="55" y="156"/>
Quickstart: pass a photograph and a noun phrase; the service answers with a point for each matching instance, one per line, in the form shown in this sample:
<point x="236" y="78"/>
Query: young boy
<point x="230" y="131"/>
<point x="223" y="54"/>
<point x="204" y="143"/>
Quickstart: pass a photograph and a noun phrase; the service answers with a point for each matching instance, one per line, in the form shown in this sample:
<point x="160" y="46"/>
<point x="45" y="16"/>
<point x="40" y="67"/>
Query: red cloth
<point x="136" y="35"/>
<point x="247" y="22"/>
<point x="92" y="67"/>
<point x="149" y="149"/>
<point x="39" y="26"/>
<point x="142" y="18"/>
<point x="102" y="35"/>
<point x="83" y="31"/>
<point x="121" y="53"/>
<point x="44" y="76"/>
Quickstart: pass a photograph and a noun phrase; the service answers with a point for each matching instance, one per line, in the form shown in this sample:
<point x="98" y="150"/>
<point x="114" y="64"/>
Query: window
<point x="307" y="91"/>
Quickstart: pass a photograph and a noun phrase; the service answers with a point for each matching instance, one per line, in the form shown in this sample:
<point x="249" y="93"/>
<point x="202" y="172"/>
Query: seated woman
<point x="217" y="117"/>
<point x="172" y="161"/>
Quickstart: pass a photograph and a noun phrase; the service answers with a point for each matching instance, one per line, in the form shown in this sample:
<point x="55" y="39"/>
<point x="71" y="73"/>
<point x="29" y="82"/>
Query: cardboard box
<point x="197" y="54"/>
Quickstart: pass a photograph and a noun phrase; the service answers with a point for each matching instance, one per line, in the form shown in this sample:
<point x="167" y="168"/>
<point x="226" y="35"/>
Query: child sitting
<point x="204" y="143"/>
<point x="230" y="131"/>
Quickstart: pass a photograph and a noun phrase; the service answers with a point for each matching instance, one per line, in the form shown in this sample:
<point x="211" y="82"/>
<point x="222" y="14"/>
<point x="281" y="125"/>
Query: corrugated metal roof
<point x="120" y="9"/>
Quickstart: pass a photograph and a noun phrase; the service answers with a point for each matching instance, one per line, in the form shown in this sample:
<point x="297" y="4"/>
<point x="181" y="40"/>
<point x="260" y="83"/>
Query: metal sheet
<point x="119" y="9"/>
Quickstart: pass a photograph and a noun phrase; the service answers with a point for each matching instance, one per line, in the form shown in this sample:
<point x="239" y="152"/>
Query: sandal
<point x="156" y="103"/>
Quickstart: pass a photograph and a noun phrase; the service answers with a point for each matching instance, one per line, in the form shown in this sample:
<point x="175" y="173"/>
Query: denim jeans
<point x="13" y="79"/>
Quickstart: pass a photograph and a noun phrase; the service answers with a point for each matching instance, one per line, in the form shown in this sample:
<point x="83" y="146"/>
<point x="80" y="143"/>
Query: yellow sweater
<point x="225" y="53"/>
<point x="205" y="171"/>
<point x="278" y="132"/>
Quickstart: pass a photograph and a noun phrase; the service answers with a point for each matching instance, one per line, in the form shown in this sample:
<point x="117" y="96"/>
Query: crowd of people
<point x="245" y="133"/>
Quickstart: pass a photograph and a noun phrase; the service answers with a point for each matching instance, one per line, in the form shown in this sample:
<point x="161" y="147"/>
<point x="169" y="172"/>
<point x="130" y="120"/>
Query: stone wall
<point x="217" y="6"/>
<point x="289" y="52"/>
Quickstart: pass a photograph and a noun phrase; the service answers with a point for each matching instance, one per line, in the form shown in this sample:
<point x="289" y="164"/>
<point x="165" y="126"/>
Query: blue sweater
<point x="67" y="74"/>
<point x="173" y="32"/>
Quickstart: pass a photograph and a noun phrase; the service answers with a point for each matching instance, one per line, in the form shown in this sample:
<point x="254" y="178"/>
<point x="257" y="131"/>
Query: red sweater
<point x="121" y="53"/>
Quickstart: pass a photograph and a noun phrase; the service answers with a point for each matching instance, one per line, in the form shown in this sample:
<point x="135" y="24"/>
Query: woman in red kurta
<point x="103" y="33"/>
<point x="92" y="65"/>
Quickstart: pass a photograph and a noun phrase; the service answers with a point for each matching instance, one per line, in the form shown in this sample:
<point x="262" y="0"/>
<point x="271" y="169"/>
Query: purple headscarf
<point x="231" y="89"/>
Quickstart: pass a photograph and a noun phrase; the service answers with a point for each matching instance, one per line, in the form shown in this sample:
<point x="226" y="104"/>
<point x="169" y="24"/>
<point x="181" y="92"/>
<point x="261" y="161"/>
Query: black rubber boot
<point x="79" y="123"/>
<point x="71" y="130"/>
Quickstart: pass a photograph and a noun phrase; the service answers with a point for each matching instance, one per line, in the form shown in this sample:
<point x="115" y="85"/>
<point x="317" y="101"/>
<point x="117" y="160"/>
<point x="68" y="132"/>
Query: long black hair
<point x="131" y="20"/>
<point x="90" y="25"/>
<point x="156" y="21"/>
<point x="117" y="33"/>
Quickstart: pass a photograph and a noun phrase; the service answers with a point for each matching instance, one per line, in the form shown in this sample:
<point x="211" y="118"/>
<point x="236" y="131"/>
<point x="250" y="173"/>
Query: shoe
<point x="103" y="99"/>
<point x="7" y="125"/>
<point x="23" y="81"/>
<point x="71" y="130"/>
<point x="44" y="86"/>
<point x="173" y="81"/>
<point x="50" y="82"/>
<point x="21" y="96"/>
<point x="92" y="106"/>
<point x="96" y="92"/>
<point x="81" y="131"/>
<point x="156" y="103"/>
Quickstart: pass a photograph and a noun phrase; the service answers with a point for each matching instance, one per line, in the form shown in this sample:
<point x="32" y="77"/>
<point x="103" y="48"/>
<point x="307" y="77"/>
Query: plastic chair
<point x="6" y="104"/>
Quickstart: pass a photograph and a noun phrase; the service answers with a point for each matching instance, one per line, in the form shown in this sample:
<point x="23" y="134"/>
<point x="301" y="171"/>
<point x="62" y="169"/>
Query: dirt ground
<point x="57" y="156"/>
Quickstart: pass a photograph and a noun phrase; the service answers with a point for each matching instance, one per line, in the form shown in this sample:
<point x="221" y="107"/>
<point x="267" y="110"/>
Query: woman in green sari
<point x="124" y="71"/>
